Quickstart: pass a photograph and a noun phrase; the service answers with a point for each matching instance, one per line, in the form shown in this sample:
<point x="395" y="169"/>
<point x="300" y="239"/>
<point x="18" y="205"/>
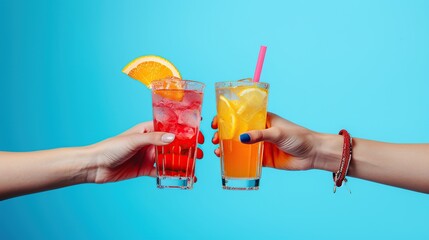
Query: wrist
<point x="328" y="151"/>
<point x="86" y="163"/>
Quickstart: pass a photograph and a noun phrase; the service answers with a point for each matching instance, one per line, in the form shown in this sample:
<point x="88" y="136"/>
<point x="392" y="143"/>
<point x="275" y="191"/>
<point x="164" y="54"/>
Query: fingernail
<point x="244" y="138"/>
<point x="168" y="137"/>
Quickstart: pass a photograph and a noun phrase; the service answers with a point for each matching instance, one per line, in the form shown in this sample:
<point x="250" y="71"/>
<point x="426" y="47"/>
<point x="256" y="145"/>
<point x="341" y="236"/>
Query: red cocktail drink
<point x="177" y="110"/>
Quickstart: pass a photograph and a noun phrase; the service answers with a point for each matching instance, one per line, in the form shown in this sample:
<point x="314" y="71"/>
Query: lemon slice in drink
<point x="253" y="95"/>
<point x="252" y="100"/>
<point x="147" y="69"/>
<point x="227" y="119"/>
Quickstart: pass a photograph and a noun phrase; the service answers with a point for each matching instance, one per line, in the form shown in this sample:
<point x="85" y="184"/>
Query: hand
<point x="131" y="154"/>
<point x="286" y="145"/>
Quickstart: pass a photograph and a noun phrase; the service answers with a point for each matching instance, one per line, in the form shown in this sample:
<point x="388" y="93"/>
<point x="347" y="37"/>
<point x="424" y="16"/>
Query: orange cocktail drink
<point x="241" y="106"/>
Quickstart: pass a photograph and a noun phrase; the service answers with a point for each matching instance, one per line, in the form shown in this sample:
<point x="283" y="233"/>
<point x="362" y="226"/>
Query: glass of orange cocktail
<point x="241" y="106"/>
<point x="177" y="109"/>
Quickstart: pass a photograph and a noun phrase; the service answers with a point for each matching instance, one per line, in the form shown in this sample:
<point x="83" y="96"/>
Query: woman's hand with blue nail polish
<point x="286" y="145"/>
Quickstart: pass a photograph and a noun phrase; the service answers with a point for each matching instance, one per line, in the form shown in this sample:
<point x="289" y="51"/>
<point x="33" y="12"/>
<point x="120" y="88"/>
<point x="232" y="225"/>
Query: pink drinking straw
<point x="259" y="64"/>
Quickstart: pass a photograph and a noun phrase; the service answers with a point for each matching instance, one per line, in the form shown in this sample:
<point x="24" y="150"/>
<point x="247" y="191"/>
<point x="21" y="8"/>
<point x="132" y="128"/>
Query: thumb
<point x="267" y="135"/>
<point x="152" y="138"/>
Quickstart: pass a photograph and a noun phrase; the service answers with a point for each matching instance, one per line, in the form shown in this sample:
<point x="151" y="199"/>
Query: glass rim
<point x="177" y="80"/>
<point x="241" y="81"/>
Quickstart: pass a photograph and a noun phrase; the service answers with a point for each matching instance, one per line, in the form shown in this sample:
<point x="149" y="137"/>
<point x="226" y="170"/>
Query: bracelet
<point x="346" y="157"/>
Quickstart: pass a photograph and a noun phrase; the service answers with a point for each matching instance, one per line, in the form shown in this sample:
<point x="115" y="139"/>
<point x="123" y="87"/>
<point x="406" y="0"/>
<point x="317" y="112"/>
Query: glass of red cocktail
<point x="177" y="109"/>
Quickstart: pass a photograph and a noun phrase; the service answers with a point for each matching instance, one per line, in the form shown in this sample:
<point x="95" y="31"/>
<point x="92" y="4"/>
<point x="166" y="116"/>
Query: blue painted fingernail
<point x="244" y="138"/>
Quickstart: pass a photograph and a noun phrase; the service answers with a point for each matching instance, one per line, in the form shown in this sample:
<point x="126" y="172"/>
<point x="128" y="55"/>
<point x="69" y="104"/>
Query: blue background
<point x="359" y="65"/>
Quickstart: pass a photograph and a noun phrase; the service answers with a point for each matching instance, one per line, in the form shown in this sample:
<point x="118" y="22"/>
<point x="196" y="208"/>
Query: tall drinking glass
<point x="177" y="109"/>
<point x="241" y="106"/>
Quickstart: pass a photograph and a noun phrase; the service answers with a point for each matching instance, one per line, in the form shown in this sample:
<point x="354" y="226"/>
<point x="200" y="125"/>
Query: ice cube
<point x="165" y="115"/>
<point x="189" y="117"/>
<point x="156" y="99"/>
<point x="192" y="100"/>
<point x="185" y="132"/>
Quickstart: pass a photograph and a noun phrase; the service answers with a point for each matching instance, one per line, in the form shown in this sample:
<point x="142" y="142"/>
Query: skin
<point x="288" y="146"/>
<point x="128" y="155"/>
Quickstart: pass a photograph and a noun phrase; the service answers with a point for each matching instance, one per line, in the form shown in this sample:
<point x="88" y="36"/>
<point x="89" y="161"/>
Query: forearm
<point x="400" y="165"/>
<point x="28" y="172"/>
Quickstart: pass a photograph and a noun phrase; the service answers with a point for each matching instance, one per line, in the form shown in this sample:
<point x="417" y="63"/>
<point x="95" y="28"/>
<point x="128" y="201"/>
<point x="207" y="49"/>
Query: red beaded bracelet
<point x="346" y="157"/>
